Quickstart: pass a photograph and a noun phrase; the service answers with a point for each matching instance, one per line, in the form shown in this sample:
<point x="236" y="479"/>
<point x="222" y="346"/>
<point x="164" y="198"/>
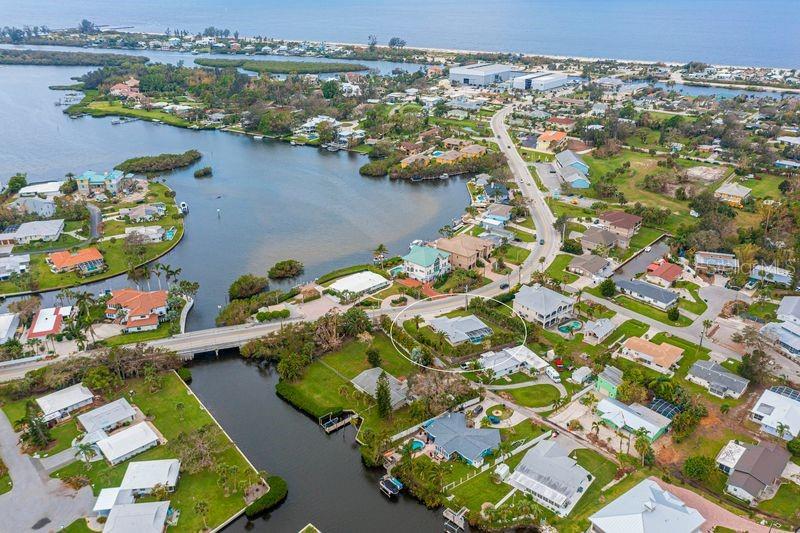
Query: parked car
<point x="504" y="286"/>
<point x="478" y="410"/>
<point x="541" y="242"/>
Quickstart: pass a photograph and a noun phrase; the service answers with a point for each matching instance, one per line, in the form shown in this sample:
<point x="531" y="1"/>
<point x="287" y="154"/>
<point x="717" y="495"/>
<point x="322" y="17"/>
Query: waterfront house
<point x="497" y="192"/>
<point x="715" y="262"/>
<point x="41" y="207"/>
<point x="648" y="293"/>
<point x="757" y="474"/>
<point x="542" y="305"/>
<point x="28" y="232"/>
<point x="425" y="263"/>
<point x="144" y="212"/>
<point x="595" y="331"/>
<point x="632" y="417"/>
<point x="591" y="266"/>
<point x="45" y="189"/>
<point x="473" y="150"/>
<point x="91" y="182"/>
<point x="647" y="508"/>
<point x="465" y="250"/>
<point x="778" y="406"/>
<point x="58" y="405"/>
<point x="85" y="261"/>
<point x="452" y="438"/>
<point x="449" y="157"/>
<point x="511" y="360"/>
<point x="364" y="282"/>
<point x="659" y="357"/>
<point x="594" y="238"/>
<point x="14" y="265"/>
<point x="498" y="212"/>
<point x="147" y="234"/>
<point x="415" y="159"/>
<point x="732" y="194"/>
<point x="137" y="310"/>
<point x="771" y="274"/>
<point x="625" y="225"/>
<point x="663" y="273"/>
<point x="9" y="322"/>
<point x="141" y="477"/>
<point x="107" y="417"/>
<point x="128" y="442"/>
<point x="367" y="382"/>
<point x="719" y="381"/>
<point x="460" y="329"/>
<point x="48" y="321"/>
<point x="551" y="477"/>
<point x="608" y="381"/>
<point x="148" y="517"/>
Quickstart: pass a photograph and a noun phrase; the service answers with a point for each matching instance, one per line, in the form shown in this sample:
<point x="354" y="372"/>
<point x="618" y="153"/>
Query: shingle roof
<point x="664" y="355"/>
<point x="621" y="219"/>
<point x="758" y="467"/>
<point x="568" y="158"/>
<point x="590" y="263"/>
<point x="367" y="381"/>
<point x="541" y="299"/>
<point x="790" y="306"/>
<point x="718" y="377"/>
<point x="548" y="470"/>
<point x="600" y="236"/>
<point x="64" y="398"/>
<point x="648" y="290"/>
<point x="451" y="433"/>
<point x="106" y="415"/>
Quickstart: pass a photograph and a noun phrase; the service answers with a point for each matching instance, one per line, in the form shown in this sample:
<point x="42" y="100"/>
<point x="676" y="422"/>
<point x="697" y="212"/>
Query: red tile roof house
<point x="49" y="321"/>
<point x="623" y="224"/>
<point x="663" y="273"/>
<point x="86" y="261"/>
<point x="137" y="310"/>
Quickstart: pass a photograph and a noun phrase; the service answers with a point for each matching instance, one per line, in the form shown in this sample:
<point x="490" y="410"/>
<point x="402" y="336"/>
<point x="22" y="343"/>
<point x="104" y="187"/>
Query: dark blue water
<point x="737" y="32"/>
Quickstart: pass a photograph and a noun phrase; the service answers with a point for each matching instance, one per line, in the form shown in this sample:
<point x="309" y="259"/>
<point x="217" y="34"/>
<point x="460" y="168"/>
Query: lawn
<point x="594" y="310"/>
<point x="513" y="254"/>
<point x="64" y="241"/>
<point x="784" y="504"/>
<point x="482" y="488"/>
<point x="78" y="526"/>
<point x="558" y="269"/>
<point x="160" y="408"/>
<point x="350" y="360"/>
<point x="101" y="108"/>
<point x="766" y="187"/>
<point x="697" y="306"/>
<point x="535" y="395"/>
<point x="162" y="331"/>
<point x="5" y="483"/>
<point x="642" y="308"/>
<point x="629" y="328"/>
<point x="524" y="430"/>
<point x="523" y="236"/>
<point x="763" y="310"/>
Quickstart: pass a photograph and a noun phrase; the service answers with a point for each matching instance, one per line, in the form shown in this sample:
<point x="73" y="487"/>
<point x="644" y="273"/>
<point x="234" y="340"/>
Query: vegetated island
<point x="152" y="164"/>
<point x="204" y="172"/>
<point x="75" y="59"/>
<point x="281" y="67"/>
<point x="289" y="268"/>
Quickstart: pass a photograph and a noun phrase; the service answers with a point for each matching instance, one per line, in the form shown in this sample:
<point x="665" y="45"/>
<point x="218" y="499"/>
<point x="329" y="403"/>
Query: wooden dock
<point x="334" y="421"/>
<point x="455" y="521"/>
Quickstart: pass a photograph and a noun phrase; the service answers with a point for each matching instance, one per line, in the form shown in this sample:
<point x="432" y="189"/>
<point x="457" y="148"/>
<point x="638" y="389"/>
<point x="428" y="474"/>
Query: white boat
<point x="184" y="207"/>
<point x="258" y="137"/>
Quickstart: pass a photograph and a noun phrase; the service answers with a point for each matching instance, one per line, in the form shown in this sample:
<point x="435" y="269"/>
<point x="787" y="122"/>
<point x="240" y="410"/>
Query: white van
<point x="552" y="373"/>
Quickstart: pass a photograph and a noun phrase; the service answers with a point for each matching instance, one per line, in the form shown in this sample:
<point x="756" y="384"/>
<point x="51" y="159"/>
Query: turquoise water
<point x="574" y="325"/>
<point x="417" y="445"/>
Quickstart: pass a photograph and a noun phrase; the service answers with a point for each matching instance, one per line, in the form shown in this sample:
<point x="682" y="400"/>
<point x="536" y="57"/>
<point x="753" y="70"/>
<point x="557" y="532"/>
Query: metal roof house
<point x="771" y="274"/>
<point x="648" y="293"/>
<point x="568" y="158"/>
<point x="107" y="417"/>
<point x="137" y="518"/>
<point x="58" y="405"/>
<point x="425" y="263"/>
<point x="367" y="382"/>
<point x="142" y="477"/>
<point x="510" y="360"/>
<point x="609" y="380"/>
<point x="551" y="477"/>
<point x="542" y="305"/>
<point x="778" y="405"/>
<point x="596" y="331"/>
<point x="9" y="322"/>
<point x="632" y="417"/>
<point x="461" y="329"/>
<point x="109" y="498"/>
<point x="715" y="261"/>
<point x="719" y="381"/>
<point x="451" y="436"/>
<point x="128" y="442"/>
<point x="647" y="508"/>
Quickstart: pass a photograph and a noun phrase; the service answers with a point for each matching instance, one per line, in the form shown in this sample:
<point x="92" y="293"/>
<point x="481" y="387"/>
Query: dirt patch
<point x="706" y="174"/>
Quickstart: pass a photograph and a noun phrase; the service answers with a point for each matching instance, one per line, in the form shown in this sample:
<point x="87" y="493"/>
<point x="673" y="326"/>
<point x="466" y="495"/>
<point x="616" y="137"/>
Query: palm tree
<point x="85" y="451"/>
<point x="706" y="324"/>
<point x="158" y="269"/>
<point x="596" y="427"/>
<point x="380" y="252"/>
<point x="83" y="300"/>
<point x="171" y="273"/>
<point x="781" y="429"/>
<point x="541" y="263"/>
<point x="73" y="329"/>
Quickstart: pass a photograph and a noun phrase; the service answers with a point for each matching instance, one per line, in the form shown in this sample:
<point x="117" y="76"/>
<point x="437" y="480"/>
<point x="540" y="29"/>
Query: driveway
<point x="36" y="502"/>
<point x="95" y="218"/>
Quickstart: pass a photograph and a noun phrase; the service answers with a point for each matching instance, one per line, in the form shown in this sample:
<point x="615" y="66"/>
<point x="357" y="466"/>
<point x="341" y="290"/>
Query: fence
<point x="413" y="429"/>
<point x="22" y="361"/>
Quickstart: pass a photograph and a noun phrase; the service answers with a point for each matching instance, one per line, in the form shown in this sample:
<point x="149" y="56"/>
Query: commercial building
<point x="481" y="74"/>
<point x="632" y="417"/>
<point x="452" y="438"/>
<point x="648" y="293"/>
<point x="425" y="263"/>
<point x="778" y="408"/>
<point x="539" y="81"/>
<point x="659" y="357"/>
<point x="719" y="381"/>
<point x="58" y="405"/>
<point x="127" y="443"/>
<point x="542" y="305"/>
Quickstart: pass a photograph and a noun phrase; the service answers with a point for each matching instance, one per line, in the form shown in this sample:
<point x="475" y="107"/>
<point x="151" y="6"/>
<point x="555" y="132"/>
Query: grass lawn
<point x="629" y="328"/>
<point x="160" y="332"/>
<point x="535" y="395"/>
<point x="101" y="108"/>
<point x="697" y="306"/>
<point x="644" y="237"/>
<point x="524" y="430"/>
<point x="5" y="483"/>
<point x="78" y="526"/>
<point x="482" y="488"/>
<point x="350" y="360"/>
<point x="64" y="241"/>
<point x="62" y="434"/>
<point x="160" y="407"/>
<point x="513" y="254"/>
<point x="523" y="236"/>
<point x="766" y="187"/>
<point x="558" y="269"/>
<point x="785" y="502"/>
<point x="764" y="310"/>
<point x="594" y="310"/>
<point x="651" y="312"/>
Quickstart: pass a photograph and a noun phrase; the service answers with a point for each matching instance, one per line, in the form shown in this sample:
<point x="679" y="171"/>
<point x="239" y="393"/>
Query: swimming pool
<point x="417" y="445"/>
<point x="571" y="326"/>
<point x="437" y="153"/>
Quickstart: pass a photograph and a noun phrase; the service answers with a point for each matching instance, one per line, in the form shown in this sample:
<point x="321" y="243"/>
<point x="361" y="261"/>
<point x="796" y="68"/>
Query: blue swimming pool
<point x="571" y="326"/>
<point x="437" y="153"/>
<point x="417" y="445"/>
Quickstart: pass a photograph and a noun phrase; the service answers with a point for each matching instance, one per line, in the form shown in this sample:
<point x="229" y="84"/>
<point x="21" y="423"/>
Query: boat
<point x="444" y="176"/>
<point x="390" y="486"/>
<point x="416" y="178"/>
<point x="184" y="207"/>
<point x="258" y="137"/>
<point x="417" y="242"/>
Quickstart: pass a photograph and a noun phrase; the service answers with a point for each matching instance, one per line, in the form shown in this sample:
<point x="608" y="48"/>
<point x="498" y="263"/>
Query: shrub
<point x="265" y="316"/>
<point x="698" y="467"/>
<point x="185" y="374"/>
<point x="608" y="288"/>
<point x="794" y="446"/>
<point x="572" y="246"/>
<point x="159" y="163"/>
<point x="246" y="286"/>
<point x="203" y="172"/>
<point x="673" y="314"/>
<point x="277" y="493"/>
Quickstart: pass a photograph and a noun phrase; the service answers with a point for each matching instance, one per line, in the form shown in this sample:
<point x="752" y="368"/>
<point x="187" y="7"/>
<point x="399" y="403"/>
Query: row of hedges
<point x="266" y="316"/>
<point x="278" y="491"/>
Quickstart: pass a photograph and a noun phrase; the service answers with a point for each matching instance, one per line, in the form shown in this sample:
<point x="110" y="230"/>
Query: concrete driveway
<point x="36" y="502"/>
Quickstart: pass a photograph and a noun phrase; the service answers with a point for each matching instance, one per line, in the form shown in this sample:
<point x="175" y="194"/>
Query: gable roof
<point x="126" y="441"/>
<point x="600" y="236"/>
<point x="541" y="299"/>
<point x="612" y="375"/>
<point x="734" y="189"/>
<point x="718" y="377"/>
<point x="600" y="328"/>
<point x="716" y="259"/>
<point x="106" y="415"/>
<point x="547" y="470"/>
<point x="790" y="306"/>
<point x="648" y="290"/>
<point x="759" y="467"/>
<point x="590" y="263"/>
<point x="144" y="475"/>
<point x="634" y="416"/>
<point x="367" y="382"/>
<point x="65" y="398"/>
<point x="137" y="518"/>
<point x="568" y="158"/>
<point x="621" y="219"/>
<point x="451" y="434"/>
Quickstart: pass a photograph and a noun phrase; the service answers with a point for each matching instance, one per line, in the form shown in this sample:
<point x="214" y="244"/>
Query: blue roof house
<point x="425" y="263"/>
<point x="452" y="438"/>
<point x="568" y="158"/>
<point x="497" y="191"/>
<point x="93" y="182"/>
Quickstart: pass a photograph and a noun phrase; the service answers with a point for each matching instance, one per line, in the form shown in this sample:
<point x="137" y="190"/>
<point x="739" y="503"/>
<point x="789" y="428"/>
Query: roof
<point x="460" y="328"/>
<point x="571" y="174"/>
<point x="451" y="434"/>
<point x="621" y="219"/>
<point x="552" y="136"/>
<point x="777" y="407"/>
<point x="664" y="355"/>
<point x="716" y="259"/>
<point x="665" y="270"/>
<point x="127" y="441"/>
<point x="789" y="307"/>
<point x="611" y="374"/>
<point x="547" y="470"/>
<point x="564" y="121"/>
<point x="106" y="415"/>
<point x="734" y="189"/>
<point x="634" y="416"/>
<point x="69" y="259"/>
<point x="48" y="321"/>
<point x="581" y="374"/>
<point x="108" y="498"/>
<point x="137" y="518"/>
<point x="138" y="302"/>
<point x="730" y="454"/>
<point x="37" y="228"/>
<point x="648" y="290"/>
<point x="527" y="356"/>
<point x="599" y="328"/>
<point x="144" y="475"/>
<point x="359" y="282"/>
<point x="541" y="299"/>
<point x="367" y="382"/>
<point x="463" y="244"/>
<point x="647" y="508"/>
<point x="718" y="377"/>
<point x="771" y="273"/>
<point x="424" y="256"/>
<point x="97" y="178"/>
<point x="64" y="399"/>
<point x="482" y="68"/>
<point x="759" y="467"/>
<point x="47" y="188"/>
<point x="600" y="236"/>
<point x="8" y="323"/>
<point x="592" y="264"/>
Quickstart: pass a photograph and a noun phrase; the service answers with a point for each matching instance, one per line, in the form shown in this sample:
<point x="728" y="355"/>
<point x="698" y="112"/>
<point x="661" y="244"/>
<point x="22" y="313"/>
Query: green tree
<point x="102" y="379"/>
<point x="383" y="396"/>
<point x="16" y="182"/>
<point x="643" y="446"/>
<point x="373" y="357"/>
<point x="247" y="285"/>
<point x="673" y="314"/>
<point x="355" y="321"/>
<point x="608" y="288"/>
<point x="331" y="89"/>
<point x="85" y="451"/>
<point x="201" y="509"/>
<point x="698" y="467"/>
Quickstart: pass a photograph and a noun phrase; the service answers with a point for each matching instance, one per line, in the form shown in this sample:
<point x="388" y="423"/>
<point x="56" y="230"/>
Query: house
<point x="757" y="473"/>
<point x="48" y="321"/>
<point x="481" y="74"/>
<point x="107" y="417"/>
<point x="41" y="207"/>
<point x="9" y="322"/>
<point x="632" y="418"/>
<point x="28" y="232"/>
<point x="591" y="266"/>
<point x="499" y="212"/>
<point x="562" y="123"/>
<point x="511" y="360"/>
<point x="147" y="234"/>
<point x="715" y="262"/>
<point x="608" y="381"/>
<point x="425" y="263"/>
<point x="647" y="508"/>
<point x="137" y="518"/>
<point x="452" y="438"/>
<point x="730" y="454"/>
<point x="58" y="405"/>
<point x="787" y="164"/>
<point x="648" y="293"/>
<point x="663" y="273"/>
<point x="786" y="333"/>
<point x="137" y="310"/>
<point x="595" y="331"/>
<point x="732" y="194"/>
<point x="364" y="282"/>
<point x="659" y="357"/>
<point x="778" y="412"/>
<point x="367" y="382"/>
<point x="110" y="498"/>
<point x="460" y="329"/>
<point x="594" y="238"/>
<point x="415" y="159"/>
<point x="141" y="477"/>
<point x="45" y="189"/>
<point x="771" y="274"/>
<point x="127" y="443"/>
<point x="574" y="178"/>
<point x="497" y="192"/>
<point x="581" y="375"/>
<point x="609" y="83"/>
<point x="86" y="261"/>
<point x="473" y="150"/>
<point x="14" y="265"/>
<point x="550" y="140"/>
<point x="412" y="148"/>
<point x="465" y="250"/>
<point x="144" y="212"/>
<point x="551" y="477"/>
<point x="542" y="305"/>
<point x="717" y="379"/>
<point x="91" y="182"/>
<point x="625" y="225"/>
<point x="449" y="157"/>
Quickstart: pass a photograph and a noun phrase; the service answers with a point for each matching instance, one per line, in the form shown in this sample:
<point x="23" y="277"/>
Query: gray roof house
<point x="648" y="293"/>
<point x="597" y="330"/>
<point x="719" y="381"/>
<point x="451" y="436"/>
<point x="542" y="305"/>
<point x="14" y="264"/>
<point x="137" y="518"/>
<point x="715" y="261"/>
<point x="647" y="508"/>
<point x="594" y="237"/>
<point x="568" y="158"/>
<point x="43" y="207"/>
<point x="551" y="477"/>
<point x="590" y="266"/>
<point x="461" y="328"/>
<point x="108" y="416"/>
<point x="757" y="473"/>
<point x="367" y="382"/>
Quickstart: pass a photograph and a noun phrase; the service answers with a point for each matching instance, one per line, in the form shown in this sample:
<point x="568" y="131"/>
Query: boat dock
<point x="334" y="421"/>
<point x="455" y="521"/>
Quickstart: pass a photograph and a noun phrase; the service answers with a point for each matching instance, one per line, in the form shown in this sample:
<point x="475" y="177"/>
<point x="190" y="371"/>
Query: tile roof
<point x="68" y="259"/>
<point x="665" y="270"/>
<point x="137" y="302"/>
<point x="664" y="355"/>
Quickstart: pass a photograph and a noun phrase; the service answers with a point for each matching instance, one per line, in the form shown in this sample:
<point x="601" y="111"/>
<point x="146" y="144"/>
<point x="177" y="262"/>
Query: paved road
<point x="95" y="218"/>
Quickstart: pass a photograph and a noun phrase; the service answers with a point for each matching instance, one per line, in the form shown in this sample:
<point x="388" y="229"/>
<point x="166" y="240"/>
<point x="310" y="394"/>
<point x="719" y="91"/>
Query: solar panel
<point x="664" y="408"/>
<point x="786" y="391"/>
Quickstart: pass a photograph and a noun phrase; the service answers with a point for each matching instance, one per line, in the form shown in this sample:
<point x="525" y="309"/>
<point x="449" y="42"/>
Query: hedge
<point x="330" y="276"/>
<point x="277" y="493"/>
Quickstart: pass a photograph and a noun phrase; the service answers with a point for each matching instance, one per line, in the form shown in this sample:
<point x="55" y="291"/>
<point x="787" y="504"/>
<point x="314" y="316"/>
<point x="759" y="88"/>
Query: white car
<point x="648" y="249"/>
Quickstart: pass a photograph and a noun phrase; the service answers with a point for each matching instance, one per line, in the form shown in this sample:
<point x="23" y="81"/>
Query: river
<point x="267" y="201"/>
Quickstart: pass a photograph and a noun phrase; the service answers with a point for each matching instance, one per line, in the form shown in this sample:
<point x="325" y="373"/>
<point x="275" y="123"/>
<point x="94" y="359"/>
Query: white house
<point x="511" y="360"/>
<point x="425" y="263"/>
<point x="778" y="411"/>
<point x="9" y="322"/>
<point x="110" y="498"/>
<point x="142" y="477"/>
<point x="364" y="282"/>
<point x="542" y="305"/>
<point x="107" y="417"/>
<point x="148" y="517"/>
<point x="58" y="405"/>
<point x="128" y="442"/>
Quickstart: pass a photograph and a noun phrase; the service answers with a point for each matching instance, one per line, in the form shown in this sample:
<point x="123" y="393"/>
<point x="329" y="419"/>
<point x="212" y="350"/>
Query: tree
<point x="755" y="366"/>
<point x="88" y="27"/>
<point x="355" y="321"/>
<point x="642" y="446"/>
<point x="16" y="182"/>
<point x="706" y="324"/>
<point x="37" y="431"/>
<point x="201" y="509"/>
<point x="288" y="268"/>
<point x="673" y="314"/>
<point x="372" y="41"/>
<point x="331" y="89"/>
<point x="698" y="467"/>
<point x="781" y="429"/>
<point x="396" y="42"/>
<point x="383" y="396"/>
<point x="794" y="446"/>
<point x="247" y="285"/>
<point x="74" y="330"/>
<point x="380" y="252"/>
<point x="102" y="379"/>
<point x="373" y="357"/>
<point x="85" y="451"/>
<point x="608" y="288"/>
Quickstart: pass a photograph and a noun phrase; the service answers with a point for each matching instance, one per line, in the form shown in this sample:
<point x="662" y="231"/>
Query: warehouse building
<point x="481" y="74"/>
<point x="540" y="81"/>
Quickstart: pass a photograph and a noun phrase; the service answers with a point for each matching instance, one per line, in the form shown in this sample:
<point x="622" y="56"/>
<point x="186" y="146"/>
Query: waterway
<point x="328" y="485"/>
<point x="267" y="201"/>
<point x="735" y="32"/>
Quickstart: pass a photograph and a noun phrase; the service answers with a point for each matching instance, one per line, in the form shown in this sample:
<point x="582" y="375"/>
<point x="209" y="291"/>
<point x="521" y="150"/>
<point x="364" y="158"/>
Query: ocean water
<point x="736" y="32"/>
